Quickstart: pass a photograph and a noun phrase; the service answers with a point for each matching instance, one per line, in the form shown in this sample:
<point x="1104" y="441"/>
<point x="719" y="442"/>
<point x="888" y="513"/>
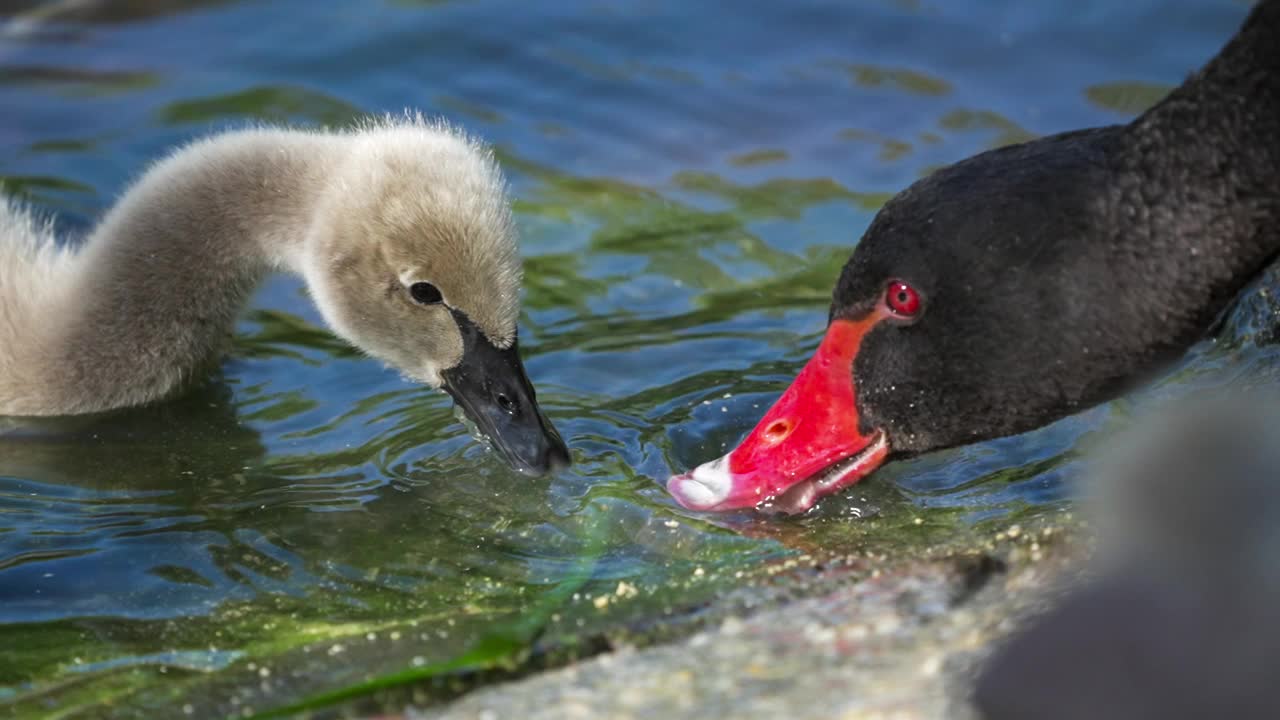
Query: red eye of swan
<point x="902" y="299"/>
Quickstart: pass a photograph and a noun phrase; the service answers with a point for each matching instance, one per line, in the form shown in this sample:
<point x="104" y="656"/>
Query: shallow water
<point x="688" y="179"/>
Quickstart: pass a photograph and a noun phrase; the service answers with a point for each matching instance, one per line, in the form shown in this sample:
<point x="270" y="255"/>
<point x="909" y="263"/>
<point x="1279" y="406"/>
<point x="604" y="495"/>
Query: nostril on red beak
<point x="777" y="432"/>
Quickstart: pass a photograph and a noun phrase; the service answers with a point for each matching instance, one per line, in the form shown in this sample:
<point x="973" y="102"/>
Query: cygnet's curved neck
<point x="160" y="281"/>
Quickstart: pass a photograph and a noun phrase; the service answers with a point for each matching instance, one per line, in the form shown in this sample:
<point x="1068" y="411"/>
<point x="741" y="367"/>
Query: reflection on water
<point x="43" y="13"/>
<point x="279" y="104"/>
<point x="689" y="178"/>
<point x="1126" y="98"/>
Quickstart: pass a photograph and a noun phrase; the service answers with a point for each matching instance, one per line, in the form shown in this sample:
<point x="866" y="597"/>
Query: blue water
<point x="688" y="178"/>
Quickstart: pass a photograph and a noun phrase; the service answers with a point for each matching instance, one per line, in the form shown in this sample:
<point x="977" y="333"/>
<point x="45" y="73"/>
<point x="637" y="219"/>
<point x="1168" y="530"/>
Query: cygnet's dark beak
<point x="492" y="388"/>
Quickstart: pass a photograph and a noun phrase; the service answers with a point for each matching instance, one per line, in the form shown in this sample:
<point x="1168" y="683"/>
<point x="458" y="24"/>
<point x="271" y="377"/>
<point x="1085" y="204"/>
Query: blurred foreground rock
<point x="1181" y="616"/>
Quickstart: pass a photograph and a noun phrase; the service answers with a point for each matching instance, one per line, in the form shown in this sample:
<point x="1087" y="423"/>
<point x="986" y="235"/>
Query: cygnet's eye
<point x="425" y="293"/>
<point x="902" y="299"/>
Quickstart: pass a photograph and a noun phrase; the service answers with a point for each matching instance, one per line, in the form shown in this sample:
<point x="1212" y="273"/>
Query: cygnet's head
<point x="412" y="257"/>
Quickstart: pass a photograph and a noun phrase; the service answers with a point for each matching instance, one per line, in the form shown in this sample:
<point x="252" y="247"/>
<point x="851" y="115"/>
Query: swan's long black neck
<point x="1195" y="191"/>
<point x="1219" y="132"/>
<point x="1234" y="88"/>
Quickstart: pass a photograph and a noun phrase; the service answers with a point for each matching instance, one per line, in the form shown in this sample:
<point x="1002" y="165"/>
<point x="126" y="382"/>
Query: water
<point x="689" y="178"/>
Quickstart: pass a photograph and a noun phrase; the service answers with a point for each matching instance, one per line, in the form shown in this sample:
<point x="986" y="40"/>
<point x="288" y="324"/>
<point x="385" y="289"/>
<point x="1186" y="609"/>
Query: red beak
<point x="807" y="446"/>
